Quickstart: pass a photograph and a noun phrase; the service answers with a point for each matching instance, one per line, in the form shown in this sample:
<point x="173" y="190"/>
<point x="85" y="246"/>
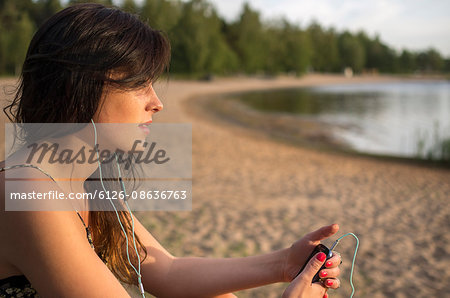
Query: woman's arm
<point x="167" y="276"/>
<point x="206" y="277"/>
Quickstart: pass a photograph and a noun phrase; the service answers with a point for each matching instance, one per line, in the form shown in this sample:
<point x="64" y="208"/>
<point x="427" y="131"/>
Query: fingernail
<point x="329" y="282"/>
<point x="328" y="264"/>
<point x="323" y="273"/>
<point x="325" y="295"/>
<point x="321" y="257"/>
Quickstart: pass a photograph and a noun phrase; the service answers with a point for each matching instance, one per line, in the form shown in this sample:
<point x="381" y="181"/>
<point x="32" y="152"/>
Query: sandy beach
<point x="252" y="195"/>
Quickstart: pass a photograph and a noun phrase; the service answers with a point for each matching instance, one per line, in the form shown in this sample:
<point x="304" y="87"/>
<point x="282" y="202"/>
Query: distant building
<point x="348" y="72"/>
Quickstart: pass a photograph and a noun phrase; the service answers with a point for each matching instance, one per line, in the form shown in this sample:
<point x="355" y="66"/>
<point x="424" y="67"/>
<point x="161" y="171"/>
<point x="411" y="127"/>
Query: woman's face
<point x="134" y="106"/>
<point x="131" y="111"/>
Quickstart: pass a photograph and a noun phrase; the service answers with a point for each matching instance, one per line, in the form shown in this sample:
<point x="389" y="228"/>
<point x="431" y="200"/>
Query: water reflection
<point x="313" y="101"/>
<point x="403" y="118"/>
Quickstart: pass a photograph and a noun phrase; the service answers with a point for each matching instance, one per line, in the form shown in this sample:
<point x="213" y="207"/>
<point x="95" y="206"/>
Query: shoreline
<point x="294" y="130"/>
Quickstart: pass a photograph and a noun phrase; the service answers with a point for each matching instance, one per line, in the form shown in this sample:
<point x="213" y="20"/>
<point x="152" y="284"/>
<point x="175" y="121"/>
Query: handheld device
<point x="329" y="253"/>
<point x="317" y="249"/>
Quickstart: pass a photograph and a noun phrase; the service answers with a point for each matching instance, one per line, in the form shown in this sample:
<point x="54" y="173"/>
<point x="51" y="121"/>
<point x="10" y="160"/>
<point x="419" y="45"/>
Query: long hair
<point x="69" y="61"/>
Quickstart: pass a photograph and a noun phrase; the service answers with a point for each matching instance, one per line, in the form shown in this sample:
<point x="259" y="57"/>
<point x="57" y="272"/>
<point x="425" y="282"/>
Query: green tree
<point x="447" y="65"/>
<point x="204" y="43"/>
<point x="434" y="60"/>
<point x="17" y="30"/>
<point x="407" y="62"/>
<point x="43" y="9"/>
<point x="161" y="14"/>
<point x="247" y="39"/>
<point x="105" y="2"/>
<point x="197" y="42"/>
<point x="21" y="37"/>
<point x="221" y="58"/>
<point x="351" y="52"/>
<point x="378" y="55"/>
<point x="325" y="48"/>
<point x="130" y="6"/>
<point x="276" y="48"/>
<point x="299" y="51"/>
<point x="289" y="49"/>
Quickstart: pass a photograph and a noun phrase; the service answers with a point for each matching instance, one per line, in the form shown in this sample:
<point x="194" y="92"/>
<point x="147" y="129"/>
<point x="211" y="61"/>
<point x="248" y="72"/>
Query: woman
<point x="92" y="64"/>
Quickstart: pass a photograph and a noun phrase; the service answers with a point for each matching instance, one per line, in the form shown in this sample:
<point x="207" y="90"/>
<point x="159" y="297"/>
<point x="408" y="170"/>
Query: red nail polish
<point x="329" y="282"/>
<point x="325" y="296"/>
<point x="329" y="264"/>
<point x="323" y="273"/>
<point x="321" y="257"/>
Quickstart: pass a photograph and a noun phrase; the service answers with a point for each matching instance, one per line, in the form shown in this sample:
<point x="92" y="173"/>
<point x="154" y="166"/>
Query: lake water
<point x="410" y="119"/>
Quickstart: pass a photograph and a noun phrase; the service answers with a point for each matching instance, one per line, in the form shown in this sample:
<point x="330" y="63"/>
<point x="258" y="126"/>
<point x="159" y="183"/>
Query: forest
<point x="204" y="44"/>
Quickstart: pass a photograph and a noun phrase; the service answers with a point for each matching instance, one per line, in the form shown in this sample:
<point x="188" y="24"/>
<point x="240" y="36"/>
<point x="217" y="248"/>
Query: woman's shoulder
<point x="23" y="217"/>
<point x="49" y="246"/>
<point x="22" y="187"/>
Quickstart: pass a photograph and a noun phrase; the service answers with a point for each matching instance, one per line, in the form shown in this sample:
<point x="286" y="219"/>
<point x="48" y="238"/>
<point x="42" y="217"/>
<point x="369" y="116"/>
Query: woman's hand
<point x="299" y="252"/>
<point x="301" y="286"/>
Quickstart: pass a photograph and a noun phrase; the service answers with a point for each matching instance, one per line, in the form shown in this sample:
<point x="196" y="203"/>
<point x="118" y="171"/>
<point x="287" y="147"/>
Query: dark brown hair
<point x="70" y="59"/>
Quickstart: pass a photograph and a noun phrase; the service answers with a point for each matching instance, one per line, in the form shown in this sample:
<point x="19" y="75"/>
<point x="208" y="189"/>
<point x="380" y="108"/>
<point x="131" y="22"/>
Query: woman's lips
<point x="145" y="126"/>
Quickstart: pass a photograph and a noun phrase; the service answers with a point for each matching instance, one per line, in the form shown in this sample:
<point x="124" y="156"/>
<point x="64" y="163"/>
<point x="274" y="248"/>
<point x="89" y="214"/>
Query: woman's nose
<point x="155" y="105"/>
<point x="158" y="106"/>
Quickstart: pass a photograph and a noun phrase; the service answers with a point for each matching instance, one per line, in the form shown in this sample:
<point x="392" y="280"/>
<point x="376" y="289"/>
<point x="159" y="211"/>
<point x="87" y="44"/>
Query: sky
<point x="411" y="24"/>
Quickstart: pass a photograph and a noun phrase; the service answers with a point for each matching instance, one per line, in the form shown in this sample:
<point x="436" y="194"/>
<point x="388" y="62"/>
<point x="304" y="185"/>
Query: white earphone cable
<point x="138" y="271"/>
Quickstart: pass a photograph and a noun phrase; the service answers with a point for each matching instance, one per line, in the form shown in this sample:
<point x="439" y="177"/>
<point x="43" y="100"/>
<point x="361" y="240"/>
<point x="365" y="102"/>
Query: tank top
<point x="19" y="285"/>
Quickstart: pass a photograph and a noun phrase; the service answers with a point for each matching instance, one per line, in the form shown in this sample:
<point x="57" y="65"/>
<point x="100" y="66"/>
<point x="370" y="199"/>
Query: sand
<point x="252" y="194"/>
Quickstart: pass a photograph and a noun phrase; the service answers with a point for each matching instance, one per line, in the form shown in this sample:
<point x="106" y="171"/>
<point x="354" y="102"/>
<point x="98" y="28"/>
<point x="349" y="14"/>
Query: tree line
<point x="203" y="43"/>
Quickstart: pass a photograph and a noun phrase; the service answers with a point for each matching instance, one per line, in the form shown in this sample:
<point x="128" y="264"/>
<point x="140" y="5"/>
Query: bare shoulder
<point x="50" y="248"/>
<point x="18" y="224"/>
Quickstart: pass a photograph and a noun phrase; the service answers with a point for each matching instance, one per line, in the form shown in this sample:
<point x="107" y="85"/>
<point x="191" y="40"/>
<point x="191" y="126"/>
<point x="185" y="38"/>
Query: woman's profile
<point x="90" y="64"/>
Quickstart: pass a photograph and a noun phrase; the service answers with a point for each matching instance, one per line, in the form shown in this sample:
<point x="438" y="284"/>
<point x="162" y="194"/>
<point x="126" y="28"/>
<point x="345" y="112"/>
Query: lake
<point x="407" y="119"/>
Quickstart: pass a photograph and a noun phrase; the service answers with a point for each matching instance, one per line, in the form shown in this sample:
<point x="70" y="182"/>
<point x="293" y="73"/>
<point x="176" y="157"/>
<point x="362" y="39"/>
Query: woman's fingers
<point x="301" y="285"/>
<point x="330" y="273"/>
<point x="323" y="233"/>
<point x="334" y="261"/>
<point x="332" y="283"/>
<point x="312" y="267"/>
